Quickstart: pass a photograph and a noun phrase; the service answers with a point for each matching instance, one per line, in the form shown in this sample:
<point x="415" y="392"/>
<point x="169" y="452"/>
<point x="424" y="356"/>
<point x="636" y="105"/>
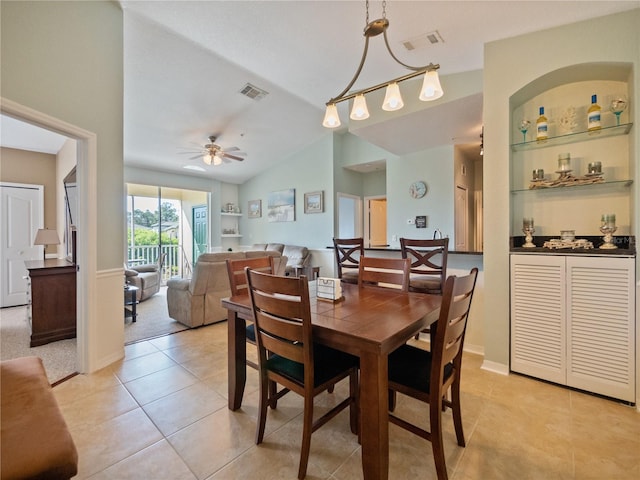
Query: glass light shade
<point x="431" y="89"/>
<point x="207" y="159"/>
<point x="392" y="98"/>
<point x="217" y="160"/>
<point x="359" y="110"/>
<point x="331" y="117"/>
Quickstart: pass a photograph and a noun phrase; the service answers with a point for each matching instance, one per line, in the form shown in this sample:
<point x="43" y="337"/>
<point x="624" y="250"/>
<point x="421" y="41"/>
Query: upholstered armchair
<point x="147" y="277"/>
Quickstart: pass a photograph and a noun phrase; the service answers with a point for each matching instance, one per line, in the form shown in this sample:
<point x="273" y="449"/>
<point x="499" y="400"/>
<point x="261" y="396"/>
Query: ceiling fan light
<point x="392" y="98"/>
<point x="359" y="111"/>
<point x="431" y="89"/>
<point x="207" y="159"/>
<point x="217" y="160"/>
<point x="331" y="117"/>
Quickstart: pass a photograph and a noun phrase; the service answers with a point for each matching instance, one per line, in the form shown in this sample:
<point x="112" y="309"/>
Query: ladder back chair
<point x="288" y="356"/>
<point x="348" y="252"/>
<point x="238" y="285"/>
<point x="384" y="272"/>
<point x="427" y="375"/>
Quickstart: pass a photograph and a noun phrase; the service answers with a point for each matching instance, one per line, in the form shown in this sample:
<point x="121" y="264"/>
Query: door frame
<point x="86" y="165"/>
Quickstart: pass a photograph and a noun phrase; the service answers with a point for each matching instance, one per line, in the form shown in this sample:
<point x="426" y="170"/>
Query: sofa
<point x="196" y="301"/>
<point x="296" y="256"/>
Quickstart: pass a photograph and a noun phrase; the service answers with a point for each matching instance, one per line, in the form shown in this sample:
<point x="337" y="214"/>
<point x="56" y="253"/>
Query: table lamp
<point x="46" y="237"/>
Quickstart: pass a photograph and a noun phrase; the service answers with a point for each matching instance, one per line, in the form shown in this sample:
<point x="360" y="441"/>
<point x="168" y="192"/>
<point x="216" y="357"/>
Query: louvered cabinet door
<point x="538" y="342"/>
<point x="600" y="325"/>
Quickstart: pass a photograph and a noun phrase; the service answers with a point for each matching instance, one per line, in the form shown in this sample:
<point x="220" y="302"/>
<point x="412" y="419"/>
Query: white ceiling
<point x="185" y="62"/>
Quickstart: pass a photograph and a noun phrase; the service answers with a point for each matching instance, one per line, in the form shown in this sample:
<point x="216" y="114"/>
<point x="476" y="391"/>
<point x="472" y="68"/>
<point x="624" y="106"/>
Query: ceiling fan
<point x="212" y="153"/>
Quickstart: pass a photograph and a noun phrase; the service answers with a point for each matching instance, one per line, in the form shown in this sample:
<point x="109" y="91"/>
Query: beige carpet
<point x="153" y="320"/>
<point x="60" y="357"/>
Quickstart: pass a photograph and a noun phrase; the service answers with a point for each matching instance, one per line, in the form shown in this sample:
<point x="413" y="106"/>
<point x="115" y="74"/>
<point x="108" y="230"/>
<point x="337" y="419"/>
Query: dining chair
<point x="384" y="272"/>
<point x="428" y="265"/>
<point x="238" y="285"/>
<point x="428" y="375"/>
<point x="288" y="356"/>
<point x="348" y="252"/>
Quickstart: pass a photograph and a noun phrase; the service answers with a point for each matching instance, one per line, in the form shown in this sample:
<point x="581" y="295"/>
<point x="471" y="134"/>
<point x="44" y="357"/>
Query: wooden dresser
<point x="53" y="300"/>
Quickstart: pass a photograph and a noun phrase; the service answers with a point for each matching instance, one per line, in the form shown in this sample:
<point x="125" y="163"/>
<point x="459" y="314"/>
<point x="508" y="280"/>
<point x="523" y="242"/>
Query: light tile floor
<point x="161" y="413"/>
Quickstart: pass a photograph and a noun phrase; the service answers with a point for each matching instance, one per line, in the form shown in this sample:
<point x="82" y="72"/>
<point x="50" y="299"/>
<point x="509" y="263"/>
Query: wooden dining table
<point x="369" y="322"/>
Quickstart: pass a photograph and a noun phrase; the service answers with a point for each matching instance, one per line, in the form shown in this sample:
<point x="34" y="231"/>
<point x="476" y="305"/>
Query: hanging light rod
<point x="431" y="89"/>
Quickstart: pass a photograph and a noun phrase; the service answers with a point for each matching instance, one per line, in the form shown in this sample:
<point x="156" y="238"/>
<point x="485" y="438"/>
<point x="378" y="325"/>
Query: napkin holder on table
<point x="329" y="289"/>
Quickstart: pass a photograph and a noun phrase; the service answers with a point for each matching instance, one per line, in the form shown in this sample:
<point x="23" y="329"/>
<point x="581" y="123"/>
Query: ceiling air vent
<point x="253" y="92"/>
<point x="424" y="40"/>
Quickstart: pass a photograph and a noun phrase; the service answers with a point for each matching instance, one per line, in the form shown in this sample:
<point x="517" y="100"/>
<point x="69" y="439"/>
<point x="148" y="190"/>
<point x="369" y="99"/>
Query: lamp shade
<point x="46" y="237"/>
<point x="431" y="89"/>
<point x="392" y="98"/>
<point x="207" y="159"/>
<point x="217" y="160"/>
<point x="331" y="118"/>
<point x="359" y="111"/>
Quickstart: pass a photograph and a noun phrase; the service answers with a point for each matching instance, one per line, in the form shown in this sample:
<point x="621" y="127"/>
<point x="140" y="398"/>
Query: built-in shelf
<point x="226" y="214"/>
<point x="623" y="129"/>
<point x="611" y="184"/>
<point x="231" y="235"/>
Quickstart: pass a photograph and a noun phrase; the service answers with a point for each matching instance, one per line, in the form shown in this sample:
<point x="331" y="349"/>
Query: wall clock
<point x="418" y="189"/>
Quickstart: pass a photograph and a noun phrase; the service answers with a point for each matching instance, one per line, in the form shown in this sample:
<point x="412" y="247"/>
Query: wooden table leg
<point x="237" y="358"/>
<point x="374" y="404"/>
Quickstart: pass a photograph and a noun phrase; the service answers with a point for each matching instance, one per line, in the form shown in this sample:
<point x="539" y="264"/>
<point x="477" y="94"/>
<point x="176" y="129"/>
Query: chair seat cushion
<point x="350" y="275"/>
<point x="328" y="363"/>
<point x="411" y="366"/>
<point x="425" y="284"/>
<point x="251" y="333"/>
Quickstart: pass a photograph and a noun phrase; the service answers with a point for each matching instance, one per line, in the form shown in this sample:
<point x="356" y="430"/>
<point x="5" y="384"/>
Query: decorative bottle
<point x="593" y="114"/>
<point x="541" y="126"/>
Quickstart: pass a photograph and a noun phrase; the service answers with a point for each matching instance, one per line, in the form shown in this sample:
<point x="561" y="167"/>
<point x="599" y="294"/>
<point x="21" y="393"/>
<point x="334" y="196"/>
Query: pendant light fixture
<point x="431" y="89"/>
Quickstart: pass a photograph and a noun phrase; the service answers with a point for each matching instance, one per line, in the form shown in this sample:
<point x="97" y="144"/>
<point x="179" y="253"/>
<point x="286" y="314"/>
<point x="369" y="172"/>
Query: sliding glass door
<point x="160" y="224"/>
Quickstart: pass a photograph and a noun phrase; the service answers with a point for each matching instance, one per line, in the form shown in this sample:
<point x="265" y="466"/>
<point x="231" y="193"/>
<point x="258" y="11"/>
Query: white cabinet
<point x="572" y="321"/>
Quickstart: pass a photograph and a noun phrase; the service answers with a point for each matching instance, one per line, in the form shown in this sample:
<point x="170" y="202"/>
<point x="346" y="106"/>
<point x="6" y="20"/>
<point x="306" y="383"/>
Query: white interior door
<point x="21" y="215"/>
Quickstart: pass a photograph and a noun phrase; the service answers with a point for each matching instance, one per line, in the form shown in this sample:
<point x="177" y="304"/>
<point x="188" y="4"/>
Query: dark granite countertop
<point x="626" y="246"/>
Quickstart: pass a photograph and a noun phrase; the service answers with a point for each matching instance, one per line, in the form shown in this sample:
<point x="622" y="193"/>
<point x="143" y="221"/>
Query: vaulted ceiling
<point x="185" y="63"/>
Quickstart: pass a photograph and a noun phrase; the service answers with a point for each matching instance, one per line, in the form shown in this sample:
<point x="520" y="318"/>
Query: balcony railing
<point x="175" y="262"/>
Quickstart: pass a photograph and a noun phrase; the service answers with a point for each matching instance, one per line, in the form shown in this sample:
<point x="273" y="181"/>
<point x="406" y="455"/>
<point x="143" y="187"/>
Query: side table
<point x="130" y="301"/>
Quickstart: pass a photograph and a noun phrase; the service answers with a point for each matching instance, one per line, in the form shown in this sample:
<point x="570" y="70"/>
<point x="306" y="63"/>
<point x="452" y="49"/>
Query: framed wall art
<point x="313" y="202"/>
<point x="255" y="209"/>
<point x="281" y="206"/>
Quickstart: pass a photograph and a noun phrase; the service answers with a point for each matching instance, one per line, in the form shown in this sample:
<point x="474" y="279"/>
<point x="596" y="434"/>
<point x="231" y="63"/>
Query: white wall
<point x="510" y="65"/>
<point x="62" y="66"/>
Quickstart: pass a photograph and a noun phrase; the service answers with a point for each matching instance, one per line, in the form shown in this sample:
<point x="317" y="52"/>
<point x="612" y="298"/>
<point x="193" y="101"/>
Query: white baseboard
<point x="495" y="367"/>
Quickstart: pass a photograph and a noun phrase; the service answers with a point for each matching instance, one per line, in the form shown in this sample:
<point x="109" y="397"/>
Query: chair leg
<point x="273" y="390"/>
<point x="262" y="408"/>
<point x="307" y="429"/>
<point x="435" y="414"/>
<point x="457" y="413"/>
<point x="354" y="407"/>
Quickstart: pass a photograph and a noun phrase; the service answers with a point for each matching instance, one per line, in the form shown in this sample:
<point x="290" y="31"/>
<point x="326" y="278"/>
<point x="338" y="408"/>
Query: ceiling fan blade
<point x="231" y="149"/>
<point x="196" y="156"/>
<point x="233" y="157"/>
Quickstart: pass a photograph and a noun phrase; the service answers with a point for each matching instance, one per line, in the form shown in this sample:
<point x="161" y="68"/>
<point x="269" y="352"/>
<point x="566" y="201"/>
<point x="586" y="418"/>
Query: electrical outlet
<point x="394" y="238"/>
